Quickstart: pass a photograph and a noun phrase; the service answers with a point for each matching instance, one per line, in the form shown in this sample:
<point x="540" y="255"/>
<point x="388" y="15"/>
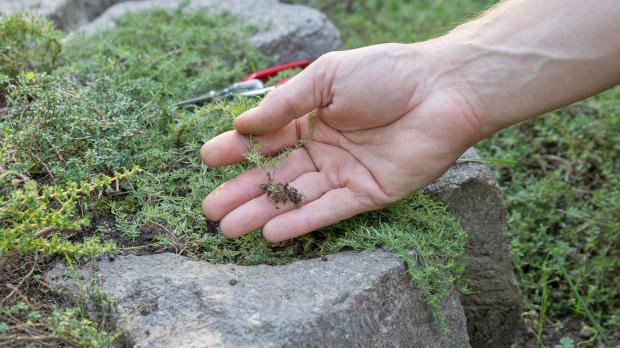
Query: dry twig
<point x="27" y="276"/>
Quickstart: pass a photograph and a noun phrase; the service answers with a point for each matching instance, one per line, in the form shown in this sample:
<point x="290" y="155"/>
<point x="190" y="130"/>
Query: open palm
<point x="382" y="129"/>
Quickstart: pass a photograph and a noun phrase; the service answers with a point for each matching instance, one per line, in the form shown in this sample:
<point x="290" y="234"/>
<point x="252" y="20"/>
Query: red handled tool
<point x="250" y="85"/>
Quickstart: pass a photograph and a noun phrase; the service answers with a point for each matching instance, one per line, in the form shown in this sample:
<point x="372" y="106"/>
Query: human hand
<point x="391" y="118"/>
<point x="382" y="130"/>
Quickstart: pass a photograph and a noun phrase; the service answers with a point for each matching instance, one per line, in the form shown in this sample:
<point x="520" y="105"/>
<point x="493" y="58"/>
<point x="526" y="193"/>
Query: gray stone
<point x="493" y="307"/>
<point x="291" y="32"/>
<point x="354" y="299"/>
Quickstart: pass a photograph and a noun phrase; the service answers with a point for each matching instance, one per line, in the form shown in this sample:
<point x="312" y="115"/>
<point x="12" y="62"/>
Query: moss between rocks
<point x="108" y="105"/>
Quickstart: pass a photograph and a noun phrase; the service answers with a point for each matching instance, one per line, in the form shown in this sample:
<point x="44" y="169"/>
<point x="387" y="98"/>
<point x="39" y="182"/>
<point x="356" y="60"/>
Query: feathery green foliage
<point x="27" y="43"/>
<point x="110" y="104"/>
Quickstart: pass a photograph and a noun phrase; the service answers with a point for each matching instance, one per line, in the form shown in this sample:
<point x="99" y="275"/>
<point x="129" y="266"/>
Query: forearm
<point x="526" y="57"/>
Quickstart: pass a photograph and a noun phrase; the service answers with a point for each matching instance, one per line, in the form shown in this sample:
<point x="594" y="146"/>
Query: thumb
<point x="295" y="98"/>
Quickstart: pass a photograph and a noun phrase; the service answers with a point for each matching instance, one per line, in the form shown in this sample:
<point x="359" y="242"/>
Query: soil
<point x="145" y="243"/>
<point x="281" y="193"/>
<point x="554" y="329"/>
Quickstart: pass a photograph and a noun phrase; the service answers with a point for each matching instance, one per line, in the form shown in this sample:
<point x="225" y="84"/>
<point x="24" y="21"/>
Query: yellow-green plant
<point x="34" y="217"/>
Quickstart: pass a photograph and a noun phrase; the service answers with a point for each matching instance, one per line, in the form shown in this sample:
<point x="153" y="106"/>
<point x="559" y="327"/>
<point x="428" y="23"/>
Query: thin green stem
<point x="78" y="283"/>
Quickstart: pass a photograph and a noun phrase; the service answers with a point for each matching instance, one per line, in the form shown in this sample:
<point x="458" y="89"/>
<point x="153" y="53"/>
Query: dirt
<point x="144" y="243"/>
<point x="281" y="193"/>
<point x="554" y="329"/>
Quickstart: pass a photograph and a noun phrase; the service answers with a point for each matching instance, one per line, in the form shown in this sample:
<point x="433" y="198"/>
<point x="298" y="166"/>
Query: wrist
<point x="514" y="62"/>
<point x="452" y="71"/>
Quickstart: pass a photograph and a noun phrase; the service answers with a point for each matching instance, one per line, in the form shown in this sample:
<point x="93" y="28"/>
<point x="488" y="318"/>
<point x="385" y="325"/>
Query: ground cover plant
<point x="562" y="192"/>
<point x="96" y="159"/>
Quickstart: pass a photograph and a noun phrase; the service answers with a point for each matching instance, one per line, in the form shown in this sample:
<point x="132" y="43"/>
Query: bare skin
<point x="392" y="118"/>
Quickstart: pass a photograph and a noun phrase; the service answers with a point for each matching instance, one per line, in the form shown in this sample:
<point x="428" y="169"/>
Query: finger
<point x="244" y="187"/>
<point x="334" y="206"/>
<point x="305" y="92"/>
<point x="230" y="147"/>
<point x="255" y="213"/>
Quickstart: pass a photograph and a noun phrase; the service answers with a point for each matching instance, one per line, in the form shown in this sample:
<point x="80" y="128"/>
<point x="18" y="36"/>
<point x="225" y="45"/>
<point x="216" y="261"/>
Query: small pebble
<point x="232" y="281"/>
<point x="323" y="258"/>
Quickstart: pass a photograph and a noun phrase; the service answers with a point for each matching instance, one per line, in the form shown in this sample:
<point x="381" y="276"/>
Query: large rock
<point x="290" y="32"/>
<point x="492" y="308"/>
<point x="353" y="299"/>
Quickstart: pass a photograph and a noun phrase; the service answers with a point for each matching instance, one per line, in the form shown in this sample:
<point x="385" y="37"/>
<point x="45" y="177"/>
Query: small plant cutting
<point x="280" y="193"/>
<point x="276" y="191"/>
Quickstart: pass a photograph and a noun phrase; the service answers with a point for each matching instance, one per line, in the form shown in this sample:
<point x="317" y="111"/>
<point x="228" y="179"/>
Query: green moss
<point x="110" y="105"/>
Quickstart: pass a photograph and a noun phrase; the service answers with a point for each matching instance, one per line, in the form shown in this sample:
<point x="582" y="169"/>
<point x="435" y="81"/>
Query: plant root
<point x="281" y="193"/>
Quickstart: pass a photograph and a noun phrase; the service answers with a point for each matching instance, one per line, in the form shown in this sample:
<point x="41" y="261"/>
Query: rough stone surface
<point x="493" y="308"/>
<point x="354" y="299"/>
